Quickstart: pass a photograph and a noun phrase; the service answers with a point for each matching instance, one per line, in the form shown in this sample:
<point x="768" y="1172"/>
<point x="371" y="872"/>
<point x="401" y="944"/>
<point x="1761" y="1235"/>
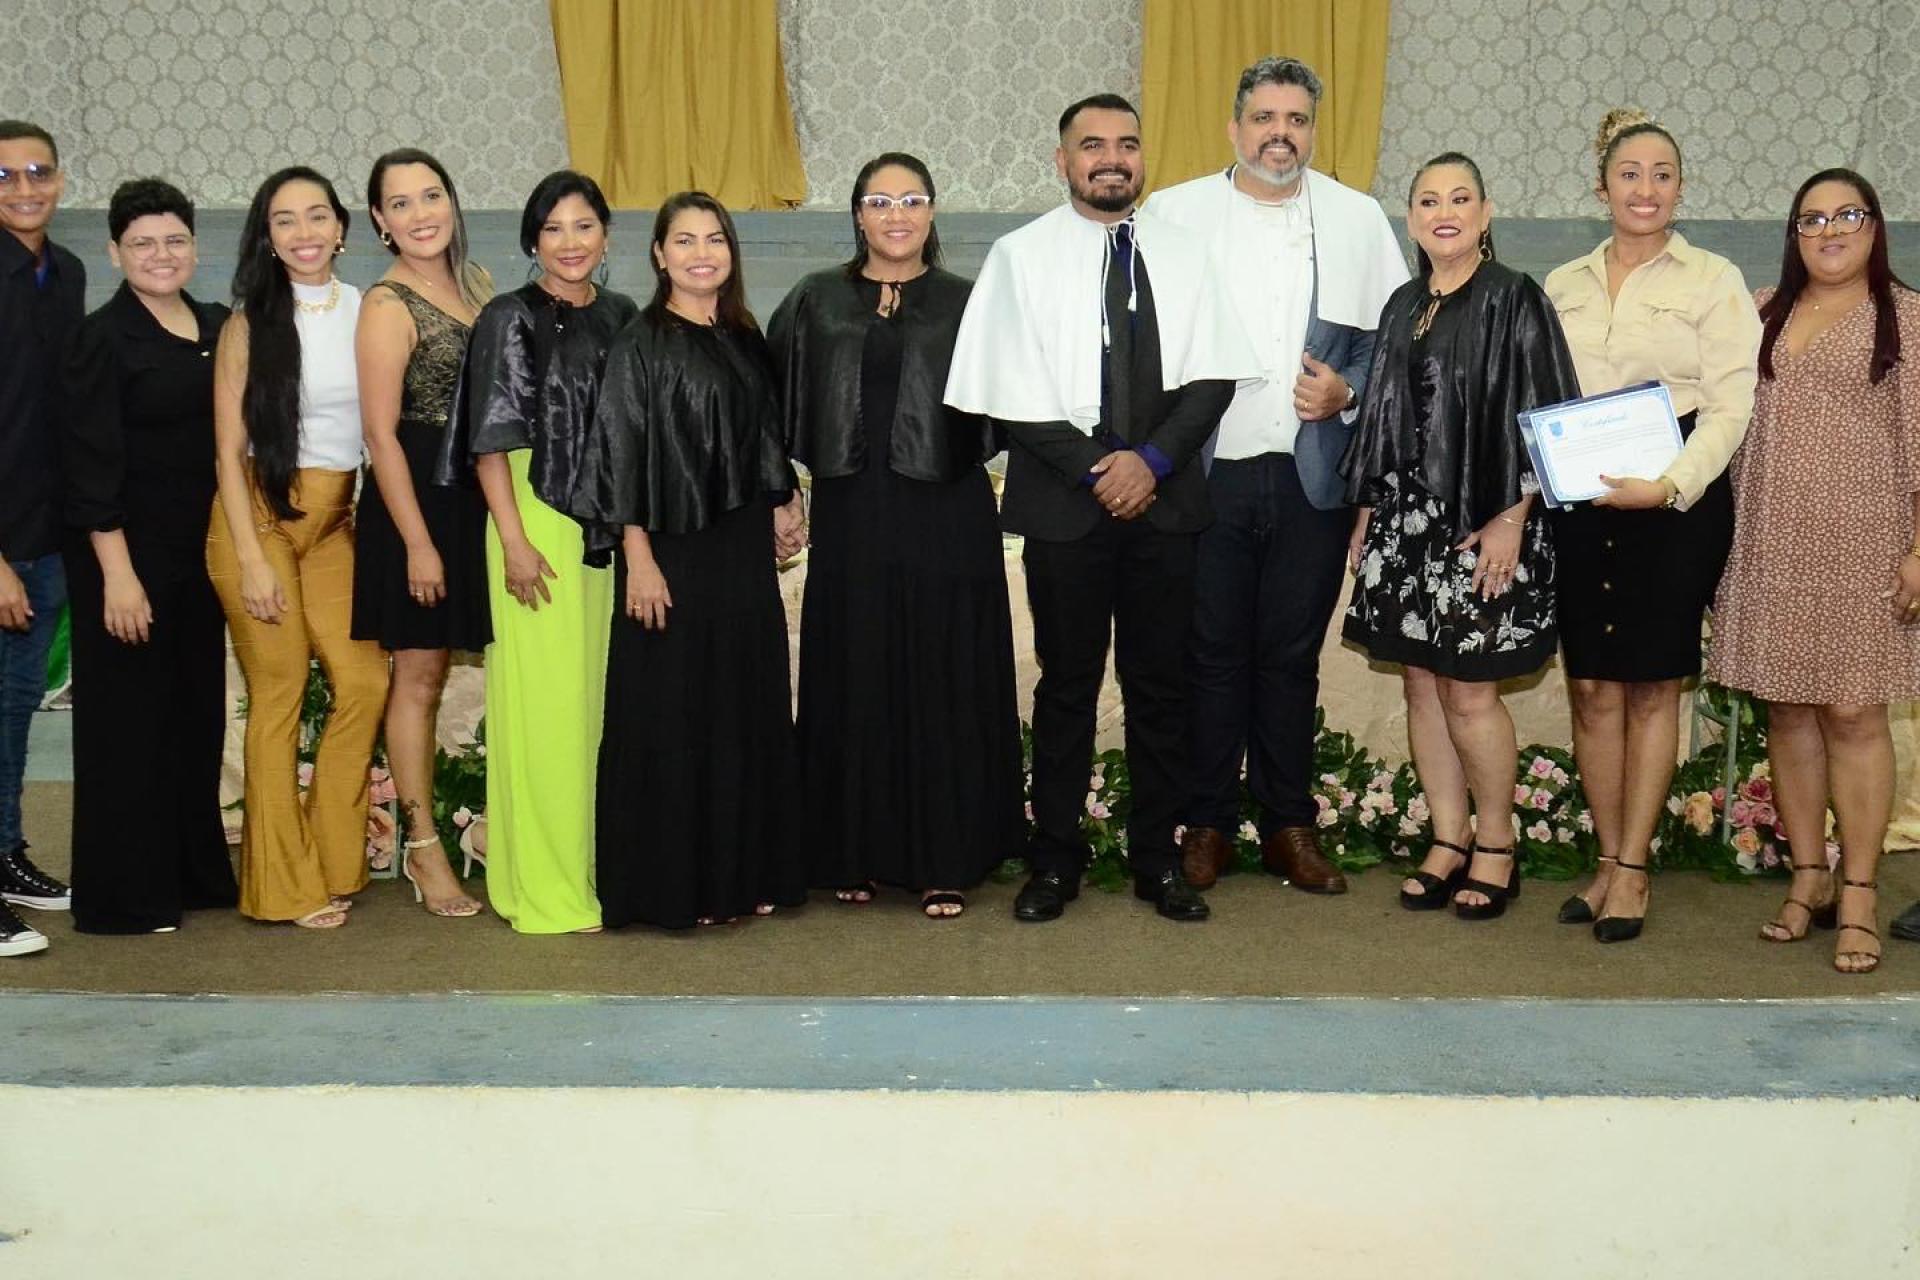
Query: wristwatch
<point x="1673" y="493"/>
<point x="1353" y="397"/>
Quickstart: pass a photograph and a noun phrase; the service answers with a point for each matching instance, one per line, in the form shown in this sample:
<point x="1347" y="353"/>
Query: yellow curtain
<point x="666" y="95"/>
<point x="1192" y="57"/>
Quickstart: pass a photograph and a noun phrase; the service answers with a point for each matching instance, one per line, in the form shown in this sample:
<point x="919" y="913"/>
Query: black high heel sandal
<point x="1621" y="928"/>
<point x="1577" y="910"/>
<point x="1872" y="957"/>
<point x="1436" y="891"/>
<point x="1823" y="917"/>
<point x="1497" y="895"/>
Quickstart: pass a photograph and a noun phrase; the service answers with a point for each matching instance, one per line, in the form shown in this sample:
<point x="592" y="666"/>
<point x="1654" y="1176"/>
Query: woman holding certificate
<point x="1453" y="570"/>
<point x="1819" y="612"/>
<point x="1638" y="566"/>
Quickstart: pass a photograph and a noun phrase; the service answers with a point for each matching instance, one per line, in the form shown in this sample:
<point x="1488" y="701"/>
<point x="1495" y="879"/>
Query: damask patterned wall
<point x="1759" y="94"/>
<point x="218" y="92"/>
<point x="973" y="89"/>
<point x="215" y="94"/>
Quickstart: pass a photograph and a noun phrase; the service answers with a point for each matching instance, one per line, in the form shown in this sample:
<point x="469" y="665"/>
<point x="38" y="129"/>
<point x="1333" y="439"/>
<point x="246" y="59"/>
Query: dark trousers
<point x="149" y="722"/>
<point x="1266" y="578"/>
<point x="1135" y="582"/>
<point x="23" y="681"/>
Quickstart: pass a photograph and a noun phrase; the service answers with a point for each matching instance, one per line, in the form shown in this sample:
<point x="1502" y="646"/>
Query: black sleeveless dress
<point x="383" y="608"/>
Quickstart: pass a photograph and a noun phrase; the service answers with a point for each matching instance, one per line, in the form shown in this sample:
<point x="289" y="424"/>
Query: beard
<point x="1108" y="200"/>
<point x="1286" y="176"/>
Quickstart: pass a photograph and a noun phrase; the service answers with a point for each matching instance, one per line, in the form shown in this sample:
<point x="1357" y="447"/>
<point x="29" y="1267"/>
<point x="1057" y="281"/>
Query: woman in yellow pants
<point x="280" y="550"/>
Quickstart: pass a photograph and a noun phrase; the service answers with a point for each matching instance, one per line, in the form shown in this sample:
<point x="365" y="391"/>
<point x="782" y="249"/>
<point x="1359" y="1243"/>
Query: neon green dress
<point x="533" y="371"/>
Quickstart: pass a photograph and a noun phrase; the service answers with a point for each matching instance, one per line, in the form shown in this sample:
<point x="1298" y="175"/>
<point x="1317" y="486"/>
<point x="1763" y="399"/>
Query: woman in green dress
<point x="527" y="396"/>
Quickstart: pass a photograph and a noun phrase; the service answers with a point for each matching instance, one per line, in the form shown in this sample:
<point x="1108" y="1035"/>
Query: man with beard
<point x="1308" y="264"/>
<point x="1095" y="339"/>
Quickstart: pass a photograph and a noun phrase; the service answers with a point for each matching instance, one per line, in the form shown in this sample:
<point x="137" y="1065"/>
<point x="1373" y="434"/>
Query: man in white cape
<point x="1095" y="339"/>
<point x="1308" y="264"/>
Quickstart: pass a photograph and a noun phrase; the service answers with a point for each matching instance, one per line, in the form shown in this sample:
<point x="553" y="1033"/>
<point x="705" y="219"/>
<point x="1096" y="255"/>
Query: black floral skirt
<point x="1413" y="603"/>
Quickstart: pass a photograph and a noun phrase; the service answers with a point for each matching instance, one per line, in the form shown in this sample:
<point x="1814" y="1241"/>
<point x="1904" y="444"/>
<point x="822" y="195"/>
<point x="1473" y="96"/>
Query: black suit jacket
<point x="1046" y="496"/>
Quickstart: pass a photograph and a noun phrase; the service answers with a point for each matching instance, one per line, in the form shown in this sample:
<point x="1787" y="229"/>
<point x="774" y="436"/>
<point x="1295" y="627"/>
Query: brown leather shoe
<point x="1293" y="853"/>
<point x="1205" y="855"/>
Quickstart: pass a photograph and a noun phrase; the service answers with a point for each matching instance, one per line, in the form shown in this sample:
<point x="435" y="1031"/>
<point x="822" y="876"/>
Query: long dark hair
<point x="930" y="251"/>
<point x="263" y="293"/>
<point x="1420" y="258"/>
<point x="732" y="310"/>
<point x="469" y="277"/>
<point x="1880" y="280"/>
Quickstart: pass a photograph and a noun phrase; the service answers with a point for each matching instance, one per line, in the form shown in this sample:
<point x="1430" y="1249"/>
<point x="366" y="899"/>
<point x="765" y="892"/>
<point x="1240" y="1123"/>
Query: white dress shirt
<point x="1272" y="281"/>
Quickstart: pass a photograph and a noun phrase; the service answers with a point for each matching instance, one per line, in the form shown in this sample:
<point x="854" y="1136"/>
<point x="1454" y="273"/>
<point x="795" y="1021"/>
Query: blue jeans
<point x="23" y="681"/>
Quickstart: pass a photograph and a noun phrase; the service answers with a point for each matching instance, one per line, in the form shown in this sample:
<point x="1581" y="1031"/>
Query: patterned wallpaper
<point x="217" y="92"/>
<point x="1758" y="94"/>
<point x="973" y="89"/>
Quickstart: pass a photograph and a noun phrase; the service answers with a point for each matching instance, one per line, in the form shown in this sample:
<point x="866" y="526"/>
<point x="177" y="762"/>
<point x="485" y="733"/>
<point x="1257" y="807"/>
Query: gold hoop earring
<point x="1486" y="246"/>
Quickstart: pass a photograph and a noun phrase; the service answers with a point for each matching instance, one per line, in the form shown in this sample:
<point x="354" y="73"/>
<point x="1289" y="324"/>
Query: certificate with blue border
<point x="1629" y="432"/>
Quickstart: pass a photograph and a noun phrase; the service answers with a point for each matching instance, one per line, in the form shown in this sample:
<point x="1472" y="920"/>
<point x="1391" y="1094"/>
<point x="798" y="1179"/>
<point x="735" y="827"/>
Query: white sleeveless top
<point x="330" y="437"/>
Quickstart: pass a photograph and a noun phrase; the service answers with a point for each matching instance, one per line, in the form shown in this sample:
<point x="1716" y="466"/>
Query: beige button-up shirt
<point x="1684" y="318"/>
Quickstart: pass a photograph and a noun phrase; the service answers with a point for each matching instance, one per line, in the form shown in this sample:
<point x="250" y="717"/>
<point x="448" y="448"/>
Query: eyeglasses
<point x="147" y="246"/>
<point x="1848" y="220"/>
<point x="913" y="202"/>
<point x="37" y="175"/>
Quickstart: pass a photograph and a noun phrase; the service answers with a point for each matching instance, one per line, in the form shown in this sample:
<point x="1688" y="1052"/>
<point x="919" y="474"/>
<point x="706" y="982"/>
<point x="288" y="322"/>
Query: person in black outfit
<point x="42" y="298"/>
<point x="149" y="640"/>
<point x="680" y="473"/>
<point x="1092" y="335"/>
<point x="909" y="741"/>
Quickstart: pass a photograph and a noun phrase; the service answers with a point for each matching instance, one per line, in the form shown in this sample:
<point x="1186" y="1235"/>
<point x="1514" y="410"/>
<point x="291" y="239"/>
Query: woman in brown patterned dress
<point x="419" y="582"/>
<point x="1819" y="610"/>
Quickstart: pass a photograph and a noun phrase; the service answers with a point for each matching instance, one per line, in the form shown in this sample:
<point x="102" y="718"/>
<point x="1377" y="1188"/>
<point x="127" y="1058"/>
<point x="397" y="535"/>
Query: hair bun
<point x="1614" y="123"/>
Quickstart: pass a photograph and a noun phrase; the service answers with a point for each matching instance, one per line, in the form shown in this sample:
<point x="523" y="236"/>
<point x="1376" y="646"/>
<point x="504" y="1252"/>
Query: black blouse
<point x="1447" y="416"/>
<point x="531" y="380"/>
<point x="686" y="430"/>
<point x="818" y="335"/>
<point x="138" y="413"/>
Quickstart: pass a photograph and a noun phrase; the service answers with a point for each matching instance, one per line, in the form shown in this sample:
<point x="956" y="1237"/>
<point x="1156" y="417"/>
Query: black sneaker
<point x="25" y="885"/>
<point x="16" y="939"/>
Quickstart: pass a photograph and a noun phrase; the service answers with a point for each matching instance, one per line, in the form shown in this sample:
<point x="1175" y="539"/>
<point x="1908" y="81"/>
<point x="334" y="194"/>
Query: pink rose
<point x="1327" y="818"/>
<point x="304" y="773"/>
<point x="1759" y="789"/>
<point x="1541" y="767"/>
<point x="1542" y="800"/>
<point x="1417" y="808"/>
<point x="1742" y="813"/>
<point x="1522" y="793"/>
<point x="1746" y="841"/>
<point x="1765" y="815"/>
<point x="1099" y="811"/>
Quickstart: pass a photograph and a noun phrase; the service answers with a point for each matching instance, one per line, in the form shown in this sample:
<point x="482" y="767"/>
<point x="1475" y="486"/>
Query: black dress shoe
<point x="1045" y="896"/>
<point x="1172" y="896"/>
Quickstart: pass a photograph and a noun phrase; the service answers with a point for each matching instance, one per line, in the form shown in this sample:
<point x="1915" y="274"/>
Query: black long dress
<point x="697" y="780"/>
<point x="148" y="719"/>
<point x="384" y="609"/>
<point x="909" y="738"/>
<point x="1437" y="454"/>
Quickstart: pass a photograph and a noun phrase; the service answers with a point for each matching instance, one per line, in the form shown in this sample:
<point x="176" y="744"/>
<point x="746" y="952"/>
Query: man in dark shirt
<point x="42" y="299"/>
<point x="1091" y="337"/>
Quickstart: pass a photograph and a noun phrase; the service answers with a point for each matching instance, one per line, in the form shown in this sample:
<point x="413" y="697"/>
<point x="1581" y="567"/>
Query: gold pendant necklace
<point x="1425" y="322"/>
<point x="325" y="305"/>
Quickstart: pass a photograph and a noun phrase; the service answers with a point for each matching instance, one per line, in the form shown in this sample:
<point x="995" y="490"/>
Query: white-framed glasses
<point x="147" y="246"/>
<point x="1846" y="222"/>
<point x="36" y="175"/>
<point x="912" y="202"/>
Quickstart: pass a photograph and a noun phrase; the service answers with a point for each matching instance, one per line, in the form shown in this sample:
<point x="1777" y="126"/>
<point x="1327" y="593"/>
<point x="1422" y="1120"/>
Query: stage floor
<point x="1265" y="940"/>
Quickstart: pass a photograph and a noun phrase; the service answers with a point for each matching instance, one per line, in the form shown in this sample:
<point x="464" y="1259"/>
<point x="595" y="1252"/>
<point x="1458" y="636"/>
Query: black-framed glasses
<point x="1846" y="222"/>
<point x="37" y="175"/>
<point x="912" y="202"/>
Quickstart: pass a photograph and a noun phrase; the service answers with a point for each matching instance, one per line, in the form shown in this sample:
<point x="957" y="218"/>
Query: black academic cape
<point x="530" y="381"/>
<point x="686" y="429"/>
<point x="1507" y="354"/>
<point x="818" y="335"/>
